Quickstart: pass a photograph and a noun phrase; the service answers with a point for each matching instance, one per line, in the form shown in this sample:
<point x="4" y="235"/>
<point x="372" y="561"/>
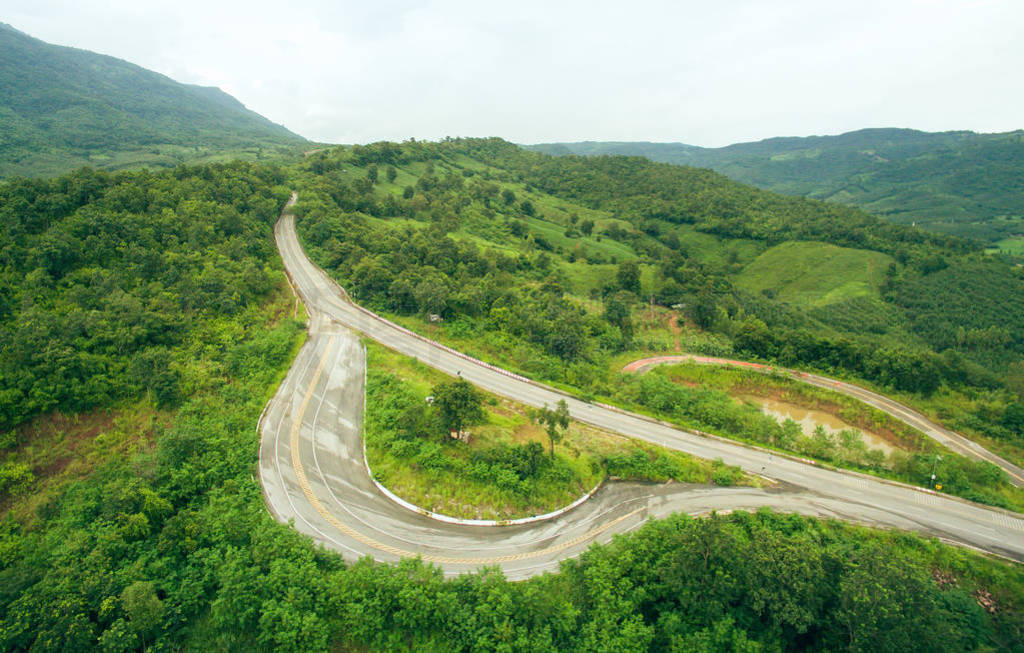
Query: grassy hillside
<point x="815" y="274"/>
<point x="960" y="183"/>
<point x="62" y="108"/>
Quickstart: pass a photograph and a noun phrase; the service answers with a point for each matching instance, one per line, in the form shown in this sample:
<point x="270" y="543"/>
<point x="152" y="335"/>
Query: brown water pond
<point x="809" y="419"/>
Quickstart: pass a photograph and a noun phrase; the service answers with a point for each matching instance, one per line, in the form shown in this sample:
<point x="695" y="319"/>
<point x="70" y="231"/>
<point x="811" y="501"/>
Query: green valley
<point x="822" y="302"/>
<point x="173" y="520"/>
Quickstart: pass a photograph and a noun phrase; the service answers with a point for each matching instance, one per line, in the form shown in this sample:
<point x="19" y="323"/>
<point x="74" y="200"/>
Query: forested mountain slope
<point x="61" y="108"/>
<point x="961" y="182"/>
<point x="146" y="321"/>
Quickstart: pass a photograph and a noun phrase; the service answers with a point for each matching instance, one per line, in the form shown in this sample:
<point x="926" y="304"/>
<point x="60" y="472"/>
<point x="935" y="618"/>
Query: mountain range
<point x="61" y="108"/>
<point x="959" y="182"/>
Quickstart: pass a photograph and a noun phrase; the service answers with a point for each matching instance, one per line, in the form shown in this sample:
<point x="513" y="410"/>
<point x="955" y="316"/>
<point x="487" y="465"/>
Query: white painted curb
<point x="455" y="520"/>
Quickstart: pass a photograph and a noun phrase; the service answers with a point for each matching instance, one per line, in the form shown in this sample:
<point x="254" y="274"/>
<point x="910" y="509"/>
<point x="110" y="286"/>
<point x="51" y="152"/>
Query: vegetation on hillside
<point x="454" y="237"/>
<point x="106" y="280"/>
<point x="61" y="108"/>
<point x="706" y="397"/>
<point x="959" y="183"/>
<point x="149" y="310"/>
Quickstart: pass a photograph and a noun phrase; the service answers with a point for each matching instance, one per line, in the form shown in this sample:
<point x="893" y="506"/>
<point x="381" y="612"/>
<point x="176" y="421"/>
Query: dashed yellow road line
<point x="300" y="474"/>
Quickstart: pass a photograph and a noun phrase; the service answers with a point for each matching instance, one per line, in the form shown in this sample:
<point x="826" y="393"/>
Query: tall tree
<point x="617" y="312"/>
<point x="458" y="404"/>
<point x="705" y="309"/>
<point x="628" y="276"/>
<point x="555" y="422"/>
<point x="143" y="608"/>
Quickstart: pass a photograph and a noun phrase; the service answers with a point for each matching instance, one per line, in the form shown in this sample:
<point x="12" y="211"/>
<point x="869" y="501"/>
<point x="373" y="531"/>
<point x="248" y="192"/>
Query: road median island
<point x="430" y="514"/>
<point x="474" y="522"/>
<point x="502" y="472"/>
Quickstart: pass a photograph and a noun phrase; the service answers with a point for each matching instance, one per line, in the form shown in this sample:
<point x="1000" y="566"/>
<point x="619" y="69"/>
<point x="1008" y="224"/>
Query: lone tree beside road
<point x="459" y="405"/>
<point x="555" y="422"/>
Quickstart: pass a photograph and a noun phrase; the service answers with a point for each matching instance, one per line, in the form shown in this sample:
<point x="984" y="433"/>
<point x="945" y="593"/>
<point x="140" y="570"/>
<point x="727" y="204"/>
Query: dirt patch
<point x="944" y="579"/>
<point x="985" y="600"/>
<point x="886" y="432"/>
<point x="69" y="430"/>
<point x="58" y="447"/>
<point x="838" y="411"/>
<point x="53" y="467"/>
<point x="284" y="304"/>
<point x="673" y="326"/>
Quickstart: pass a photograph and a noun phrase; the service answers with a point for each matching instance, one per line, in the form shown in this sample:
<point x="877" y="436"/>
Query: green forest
<point x="62" y="108"/>
<point x="146" y="321"/>
<point x="959" y="182"/>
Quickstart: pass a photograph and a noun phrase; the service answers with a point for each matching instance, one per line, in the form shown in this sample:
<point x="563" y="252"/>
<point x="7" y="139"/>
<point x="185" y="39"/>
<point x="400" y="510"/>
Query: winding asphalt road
<point x="313" y="475"/>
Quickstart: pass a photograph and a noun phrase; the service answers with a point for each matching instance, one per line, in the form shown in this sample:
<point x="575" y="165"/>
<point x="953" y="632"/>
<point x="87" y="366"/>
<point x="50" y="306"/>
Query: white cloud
<point x="698" y="72"/>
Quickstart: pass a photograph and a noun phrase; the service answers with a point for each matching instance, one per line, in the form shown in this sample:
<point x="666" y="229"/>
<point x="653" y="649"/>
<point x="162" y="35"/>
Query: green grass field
<point x="1013" y="245"/>
<point x="717" y="252"/>
<point x="815" y="274"/>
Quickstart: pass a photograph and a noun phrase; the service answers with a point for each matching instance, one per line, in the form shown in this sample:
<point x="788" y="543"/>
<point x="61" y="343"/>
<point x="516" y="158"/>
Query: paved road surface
<point x="312" y="470"/>
<point x="902" y="412"/>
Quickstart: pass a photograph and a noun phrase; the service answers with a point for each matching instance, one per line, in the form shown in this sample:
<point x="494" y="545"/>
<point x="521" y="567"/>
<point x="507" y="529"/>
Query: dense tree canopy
<point x="156" y="293"/>
<point x="104" y="277"/>
<point x="956" y="182"/>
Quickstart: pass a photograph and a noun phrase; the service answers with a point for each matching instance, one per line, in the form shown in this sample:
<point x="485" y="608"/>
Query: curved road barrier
<point x="313" y="474"/>
<point x="456" y="520"/>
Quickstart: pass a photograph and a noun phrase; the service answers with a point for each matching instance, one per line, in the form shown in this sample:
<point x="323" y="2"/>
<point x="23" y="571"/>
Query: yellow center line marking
<point x="300" y="474"/>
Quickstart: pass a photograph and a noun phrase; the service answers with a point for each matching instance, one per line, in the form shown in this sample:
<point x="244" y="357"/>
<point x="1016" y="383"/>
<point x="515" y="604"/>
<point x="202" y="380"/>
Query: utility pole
<point x="935" y="464"/>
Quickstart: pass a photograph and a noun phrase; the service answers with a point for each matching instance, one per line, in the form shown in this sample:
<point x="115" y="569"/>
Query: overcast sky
<point x="705" y="73"/>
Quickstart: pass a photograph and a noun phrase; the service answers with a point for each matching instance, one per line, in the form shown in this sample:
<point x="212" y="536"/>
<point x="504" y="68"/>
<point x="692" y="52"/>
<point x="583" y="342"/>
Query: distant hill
<point x="960" y="182"/>
<point x="61" y="108"/>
